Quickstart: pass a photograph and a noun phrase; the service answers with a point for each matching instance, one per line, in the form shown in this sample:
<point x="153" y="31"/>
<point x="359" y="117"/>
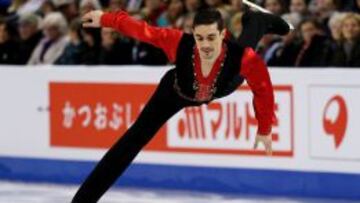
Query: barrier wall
<point x="55" y="123"/>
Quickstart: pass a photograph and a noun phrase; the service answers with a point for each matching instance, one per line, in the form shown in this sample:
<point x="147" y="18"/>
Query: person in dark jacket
<point x="75" y="49"/>
<point x="4" y="4"/>
<point x="92" y="41"/>
<point x="284" y="52"/>
<point x="353" y="6"/>
<point x="314" y="46"/>
<point x="30" y="35"/>
<point x="114" y="50"/>
<point x="8" y="45"/>
<point x="147" y="54"/>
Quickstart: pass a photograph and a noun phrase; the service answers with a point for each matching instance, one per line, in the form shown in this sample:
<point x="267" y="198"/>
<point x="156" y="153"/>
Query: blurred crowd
<point x="49" y="31"/>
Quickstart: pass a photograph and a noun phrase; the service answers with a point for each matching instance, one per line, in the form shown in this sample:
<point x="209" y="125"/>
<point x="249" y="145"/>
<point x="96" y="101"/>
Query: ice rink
<point x="11" y="192"/>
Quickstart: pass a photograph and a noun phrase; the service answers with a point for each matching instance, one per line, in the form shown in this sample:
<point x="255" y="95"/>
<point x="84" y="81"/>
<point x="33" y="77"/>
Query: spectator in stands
<point x="284" y="52"/>
<point x="221" y="6"/>
<point x="134" y="6"/>
<point x="192" y="5"/>
<point x="236" y="6"/>
<point x="47" y="7"/>
<point x="335" y="25"/>
<point x="235" y="25"/>
<point x="315" y="47"/>
<point x="152" y="10"/>
<point x="216" y="4"/>
<point x="92" y="41"/>
<point x="115" y="5"/>
<point x="15" y="5"/>
<point x="247" y="26"/>
<point x="29" y="34"/>
<point x="187" y="22"/>
<point x="89" y="5"/>
<point x="29" y="6"/>
<point x="4" y="4"/>
<point x="114" y="50"/>
<point x="325" y="9"/>
<point x="348" y="50"/>
<point x="354" y="6"/>
<point x="300" y="7"/>
<point x="171" y="17"/>
<point x="265" y="43"/>
<point x="75" y="49"/>
<point x="8" y="45"/>
<point x="235" y="12"/>
<point x="276" y="7"/>
<point x="144" y="53"/>
<point x="68" y="8"/>
<point x="51" y="47"/>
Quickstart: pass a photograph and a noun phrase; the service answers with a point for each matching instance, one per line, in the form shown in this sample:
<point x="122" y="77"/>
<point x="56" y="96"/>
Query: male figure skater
<point x="207" y="66"/>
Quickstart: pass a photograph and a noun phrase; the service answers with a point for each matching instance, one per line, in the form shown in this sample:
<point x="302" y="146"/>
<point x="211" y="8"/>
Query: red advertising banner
<point x="95" y="115"/>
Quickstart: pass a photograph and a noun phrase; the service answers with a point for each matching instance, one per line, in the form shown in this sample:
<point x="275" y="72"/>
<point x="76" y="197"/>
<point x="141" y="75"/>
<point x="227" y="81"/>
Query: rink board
<point x="57" y="122"/>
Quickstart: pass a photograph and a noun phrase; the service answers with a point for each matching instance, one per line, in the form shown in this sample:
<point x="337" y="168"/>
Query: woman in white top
<point x="54" y="41"/>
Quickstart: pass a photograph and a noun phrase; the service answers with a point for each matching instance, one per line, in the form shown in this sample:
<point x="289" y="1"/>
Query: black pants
<point x="164" y="103"/>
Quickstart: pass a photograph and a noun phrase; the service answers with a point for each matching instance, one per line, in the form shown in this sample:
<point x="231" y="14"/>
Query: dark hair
<point x="312" y="21"/>
<point x="9" y="28"/>
<point x="283" y="4"/>
<point x="76" y="26"/>
<point x="208" y="17"/>
<point x="2" y="21"/>
<point x="338" y="4"/>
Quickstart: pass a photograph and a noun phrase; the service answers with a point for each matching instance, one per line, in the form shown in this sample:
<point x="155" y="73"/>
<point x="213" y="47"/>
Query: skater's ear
<point x="223" y="34"/>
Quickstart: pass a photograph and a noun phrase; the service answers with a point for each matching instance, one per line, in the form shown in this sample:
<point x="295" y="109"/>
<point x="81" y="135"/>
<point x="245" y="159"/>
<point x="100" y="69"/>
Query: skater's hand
<point x="92" y="19"/>
<point x="266" y="140"/>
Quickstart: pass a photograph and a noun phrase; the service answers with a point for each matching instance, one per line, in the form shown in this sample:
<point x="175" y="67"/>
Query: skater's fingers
<point x="268" y="148"/>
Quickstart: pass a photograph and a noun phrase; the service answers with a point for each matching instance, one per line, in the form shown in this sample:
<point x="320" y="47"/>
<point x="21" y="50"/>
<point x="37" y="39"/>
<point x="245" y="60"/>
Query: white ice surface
<point x="11" y="192"/>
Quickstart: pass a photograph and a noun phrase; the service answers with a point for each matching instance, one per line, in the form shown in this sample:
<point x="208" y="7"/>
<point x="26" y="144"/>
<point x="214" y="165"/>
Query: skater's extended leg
<point x="163" y="104"/>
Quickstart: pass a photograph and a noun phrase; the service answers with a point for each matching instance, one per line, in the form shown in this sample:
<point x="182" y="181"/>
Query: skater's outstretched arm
<point x="165" y="38"/>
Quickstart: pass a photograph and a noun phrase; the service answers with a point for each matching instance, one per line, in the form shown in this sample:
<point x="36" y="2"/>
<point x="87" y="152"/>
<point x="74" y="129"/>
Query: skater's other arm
<point x="165" y="38"/>
<point x="254" y="70"/>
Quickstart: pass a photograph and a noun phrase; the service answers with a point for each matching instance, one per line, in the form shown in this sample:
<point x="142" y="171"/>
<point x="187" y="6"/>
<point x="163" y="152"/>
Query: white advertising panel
<point x="78" y="113"/>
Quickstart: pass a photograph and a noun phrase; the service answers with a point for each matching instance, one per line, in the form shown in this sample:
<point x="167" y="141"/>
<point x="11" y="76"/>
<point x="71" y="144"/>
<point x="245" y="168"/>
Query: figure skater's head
<point x="209" y="33"/>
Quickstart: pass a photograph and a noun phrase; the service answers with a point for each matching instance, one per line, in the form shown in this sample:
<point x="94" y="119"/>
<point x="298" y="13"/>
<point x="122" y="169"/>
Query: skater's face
<point x="209" y="40"/>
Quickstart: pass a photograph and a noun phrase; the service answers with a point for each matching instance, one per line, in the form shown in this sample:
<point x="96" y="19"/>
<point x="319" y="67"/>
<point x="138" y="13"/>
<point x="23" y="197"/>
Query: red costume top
<point x="253" y="69"/>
